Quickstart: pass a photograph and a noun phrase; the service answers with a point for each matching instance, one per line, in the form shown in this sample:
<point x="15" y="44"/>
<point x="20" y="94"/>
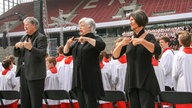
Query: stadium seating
<point x="101" y="10"/>
<point x="154" y="6"/>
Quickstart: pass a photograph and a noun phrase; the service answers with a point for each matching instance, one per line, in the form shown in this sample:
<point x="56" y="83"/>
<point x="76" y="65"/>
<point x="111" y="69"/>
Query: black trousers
<point x="31" y="92"/>
<point x="141" y="99"/>
<point x="86" y="100"/>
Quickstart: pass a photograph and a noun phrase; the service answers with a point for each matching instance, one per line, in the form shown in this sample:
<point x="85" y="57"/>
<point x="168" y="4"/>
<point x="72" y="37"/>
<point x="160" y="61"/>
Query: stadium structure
<point x="60" y="17"/>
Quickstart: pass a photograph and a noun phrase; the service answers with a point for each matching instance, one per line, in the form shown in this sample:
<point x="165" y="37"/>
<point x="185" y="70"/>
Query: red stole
<point x="4" y="72"/>
<point x="123" y="59"/>
<point x="101" y="65"/>
<point x="68" y="60"/>
<point x="154" y="61"/>
<point x="187" y="50"/>
<point x="166" y="49"/>
<point x="59" y="58"/>
<point x="53" y="70"/>
<point x="105" y="60"/>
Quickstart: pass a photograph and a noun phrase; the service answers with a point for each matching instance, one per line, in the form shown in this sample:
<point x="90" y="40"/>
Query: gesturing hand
<point x="28" y="45"/>
<point x="19" y="44"/>
<point x="137" y="41"/>
<point x="125" y="41"/>
<point x="70" y="41"/>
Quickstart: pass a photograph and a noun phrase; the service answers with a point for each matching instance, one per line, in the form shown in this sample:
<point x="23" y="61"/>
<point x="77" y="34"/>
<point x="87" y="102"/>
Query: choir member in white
<point x="117" y="70"/>
<point x="52" y="79"/>
<point x="60" y="56"/>
<point x="65" y="73"/>
<point x="118" y="73"/>
<point x="166" y="61"/>
<point x="182" y="71"/>
<point x="8" y="80"/>
<point x="105" y="72"/>
<point x="12" y="58"/>
<point x="106" y="75"/>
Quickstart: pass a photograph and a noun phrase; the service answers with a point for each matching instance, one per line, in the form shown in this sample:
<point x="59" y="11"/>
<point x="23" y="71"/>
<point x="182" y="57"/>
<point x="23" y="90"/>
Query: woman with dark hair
<point x="141" y="83"/>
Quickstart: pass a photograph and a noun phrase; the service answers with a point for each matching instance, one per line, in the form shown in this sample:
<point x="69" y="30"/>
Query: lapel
<point x="24" y="38"/>
<point x="34" y="37"/>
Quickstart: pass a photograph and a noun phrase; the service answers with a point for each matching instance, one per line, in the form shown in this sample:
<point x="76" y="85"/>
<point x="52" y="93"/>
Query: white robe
<point x="160" y="77"/>
<point x="65" y="72"/>
<point x="60" y="62"/>
<point x="165" y="64"/>
<point x="8" y="82"/>
<point x="51" y="83"/>
<point x="106" y="77"/>
<point x="118" y="75"/>
<point x="14" y="68"/>
<point x="1" y="67"/>
<point x="17" y="79"/>
<point x="182" y="72"/>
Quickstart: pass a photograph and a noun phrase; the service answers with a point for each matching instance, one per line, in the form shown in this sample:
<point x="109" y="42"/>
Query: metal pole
<point x="61" y="35"/>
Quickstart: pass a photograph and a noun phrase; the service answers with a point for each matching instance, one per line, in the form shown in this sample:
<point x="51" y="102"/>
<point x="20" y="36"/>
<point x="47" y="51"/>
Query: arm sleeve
<point x="41" y="47"/>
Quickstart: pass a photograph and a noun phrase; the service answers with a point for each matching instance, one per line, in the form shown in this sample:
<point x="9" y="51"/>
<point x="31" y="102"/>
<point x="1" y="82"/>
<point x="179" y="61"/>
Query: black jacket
<point x="86" y="68"/>
<point x="33" y="60"/>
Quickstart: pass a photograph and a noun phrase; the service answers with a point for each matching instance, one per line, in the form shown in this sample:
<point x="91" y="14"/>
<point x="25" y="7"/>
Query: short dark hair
<point x="140" y="17"/>
<point x="12" y="58"/>
<point x="6" y="62"/>
<point x="60" y="49"/>
<point x="165" y="38"/>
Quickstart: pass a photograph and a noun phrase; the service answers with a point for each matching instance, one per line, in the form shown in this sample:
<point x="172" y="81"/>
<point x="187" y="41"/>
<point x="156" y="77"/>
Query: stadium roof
<point x="8" y="4"/>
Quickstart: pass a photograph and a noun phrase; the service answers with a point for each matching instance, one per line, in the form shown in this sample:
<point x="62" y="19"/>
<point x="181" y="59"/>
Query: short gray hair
<point x="89" y="22"/>
<point x="32" y="20"/>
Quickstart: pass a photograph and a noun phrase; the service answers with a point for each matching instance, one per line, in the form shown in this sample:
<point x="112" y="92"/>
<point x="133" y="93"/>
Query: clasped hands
<point x="127" y="40"/>
<point x="80" y="39"/>
<point x="26" y="44"/>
